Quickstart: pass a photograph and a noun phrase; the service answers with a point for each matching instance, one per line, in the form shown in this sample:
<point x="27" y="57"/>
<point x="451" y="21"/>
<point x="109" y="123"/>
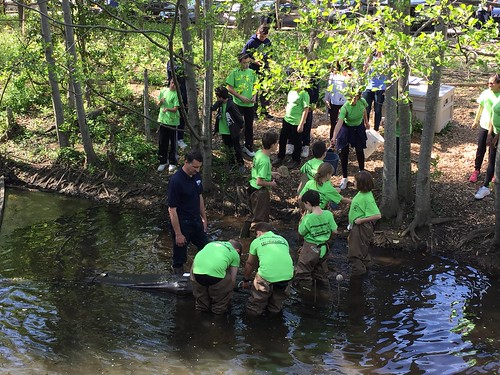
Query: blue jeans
<point x="377" y="98"/>
<point x="194" y="233"/>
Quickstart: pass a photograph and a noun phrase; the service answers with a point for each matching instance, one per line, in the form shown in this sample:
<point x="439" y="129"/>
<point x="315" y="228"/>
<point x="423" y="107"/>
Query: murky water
<point x="410" y="316"/>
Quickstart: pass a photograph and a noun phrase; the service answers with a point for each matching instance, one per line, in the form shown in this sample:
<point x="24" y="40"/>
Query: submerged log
<point x="180" y="285"/>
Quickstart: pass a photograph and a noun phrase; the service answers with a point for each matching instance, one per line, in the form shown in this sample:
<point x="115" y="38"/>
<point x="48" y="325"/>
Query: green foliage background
<point x="113" y="62"/>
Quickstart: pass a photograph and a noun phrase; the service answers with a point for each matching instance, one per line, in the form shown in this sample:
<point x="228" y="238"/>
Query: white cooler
<point x="444" y="112"/>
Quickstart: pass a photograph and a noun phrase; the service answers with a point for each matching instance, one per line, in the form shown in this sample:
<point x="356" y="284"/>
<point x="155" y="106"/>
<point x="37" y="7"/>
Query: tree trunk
<point x="423" y="197"/>
<point x="208" y="89"/>
<point x="54" y="86"/>
<point x="22" y="16"/>
<point x="84" y="55"/>
<point x="145" y="96"/>
<point x="193" y="121"/>
<point x="390" y="205"/>
<point x="405" y="118"/>
<point x="80" y="110"/>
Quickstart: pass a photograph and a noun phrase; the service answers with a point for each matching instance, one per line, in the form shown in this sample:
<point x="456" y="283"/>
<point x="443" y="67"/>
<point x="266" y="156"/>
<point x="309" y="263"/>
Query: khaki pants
<point x="260" y="206"/>
<point x="214" y="298"/>
<point x="359" y="241"/>
<point x="310" y="266"/>
<point x="265" y="295"/>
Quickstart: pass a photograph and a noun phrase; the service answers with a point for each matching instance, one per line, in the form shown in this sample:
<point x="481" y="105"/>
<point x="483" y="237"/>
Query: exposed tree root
<point x="481" y="232"/>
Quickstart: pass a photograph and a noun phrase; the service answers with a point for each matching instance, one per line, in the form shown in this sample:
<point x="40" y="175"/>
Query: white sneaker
<point x="171" y="168"/>
<point x="161" y="167"/>
<point x="343" y="183"/>
<point x="289" y="149"/>
<point x="248" y="152"/>
<point x="305" y="152"/>
<point x="181" y="144"/>
<point x="482" y="192"/>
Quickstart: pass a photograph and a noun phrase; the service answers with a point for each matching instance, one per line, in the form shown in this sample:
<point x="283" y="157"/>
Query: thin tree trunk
<point x="208" y="89"/>
<point x="22" y="16"/>
<point x="80" y="110"/>
<point x="390" y="204"/>
<point x="404" y="183"/>
<point x="145" y="94"/>
<point x="62" y="136"/>
<point x="423" y="196"/>
<point x="193" y="120"/>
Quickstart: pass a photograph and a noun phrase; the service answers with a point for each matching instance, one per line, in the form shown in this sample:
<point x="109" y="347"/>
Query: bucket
<point x="332" y="158"/>
<point x="373" y="141"/>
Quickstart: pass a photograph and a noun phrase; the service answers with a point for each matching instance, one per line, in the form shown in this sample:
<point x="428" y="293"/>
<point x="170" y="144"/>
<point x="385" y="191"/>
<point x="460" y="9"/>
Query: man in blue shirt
<point x="186" y="208"/>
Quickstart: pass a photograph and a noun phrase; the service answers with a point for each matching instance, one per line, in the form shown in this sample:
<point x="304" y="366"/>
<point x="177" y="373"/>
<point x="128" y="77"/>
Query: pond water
<point x="409" y="316"/>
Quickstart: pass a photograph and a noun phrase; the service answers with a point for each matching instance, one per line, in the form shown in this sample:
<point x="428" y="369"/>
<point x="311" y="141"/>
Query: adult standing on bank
<point x="240" y="83"/>
<point x="351" y="130"/>
<point x="213" y="275"/>
<point x="492" y="143"/>
<point x="486" y="100"/>
<point x="259" y="44"/>
<point x="334" y="95"/>
<point x="186" y="208"/>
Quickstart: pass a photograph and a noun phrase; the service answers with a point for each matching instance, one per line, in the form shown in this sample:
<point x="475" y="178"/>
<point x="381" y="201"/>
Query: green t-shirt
<point x="363" y="205"/>
<point x="242" y="82"/>
<point x="296" y="103"/>
<point x="223" y="127"/>
<point x="495" y="117"/>
<point x="353" y="114"/>
<point x="171" y="101"/>
<point x="317" y="229"/>
<point x="327" y="192"/>
<point x="275" y="262"/>
<point x="310" y="167"/>
<point x="487" y="100"/>
<point x="262" y="168"/>
<point x="215" y="259"/>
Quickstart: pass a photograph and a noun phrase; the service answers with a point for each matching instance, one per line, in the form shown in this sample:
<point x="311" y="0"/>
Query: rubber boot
<point x="245" y="230"/>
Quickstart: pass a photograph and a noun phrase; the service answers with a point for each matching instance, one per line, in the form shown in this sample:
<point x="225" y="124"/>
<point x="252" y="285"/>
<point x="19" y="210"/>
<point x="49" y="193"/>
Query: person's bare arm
<point x="203" y="213"/>
<point x="300" y="128"/>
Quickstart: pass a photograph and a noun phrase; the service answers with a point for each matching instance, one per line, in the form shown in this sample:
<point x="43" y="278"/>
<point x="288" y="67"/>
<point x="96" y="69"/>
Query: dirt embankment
<point x="464" y="234"/>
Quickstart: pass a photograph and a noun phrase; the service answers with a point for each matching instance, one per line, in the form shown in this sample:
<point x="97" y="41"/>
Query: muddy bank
<point x="228" y="199"/>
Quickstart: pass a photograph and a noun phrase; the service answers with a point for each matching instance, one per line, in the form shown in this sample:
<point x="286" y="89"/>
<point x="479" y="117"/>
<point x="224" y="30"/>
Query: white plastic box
<point x="444" y="106"/>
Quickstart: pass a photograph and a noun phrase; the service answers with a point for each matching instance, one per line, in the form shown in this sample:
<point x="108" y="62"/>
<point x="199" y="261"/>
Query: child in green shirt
<point x="262" y="179"/>
<point x="317" y="227"/>
<point x="329" y="195"/>
<point x="363" y="214"/>
<point x="310" y="167"/>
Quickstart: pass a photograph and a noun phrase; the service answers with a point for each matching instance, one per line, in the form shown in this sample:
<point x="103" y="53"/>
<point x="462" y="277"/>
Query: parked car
<point x="227" y="12"/>
<point x="265" y="12"/>
<point x="164" y="10"/>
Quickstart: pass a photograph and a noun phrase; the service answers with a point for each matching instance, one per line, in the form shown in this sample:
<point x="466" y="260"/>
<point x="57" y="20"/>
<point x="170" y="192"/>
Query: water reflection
<point x="409" y="316"/>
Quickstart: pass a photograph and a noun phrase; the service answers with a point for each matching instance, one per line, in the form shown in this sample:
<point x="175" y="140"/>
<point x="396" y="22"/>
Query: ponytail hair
<point x="323" y="170"/>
